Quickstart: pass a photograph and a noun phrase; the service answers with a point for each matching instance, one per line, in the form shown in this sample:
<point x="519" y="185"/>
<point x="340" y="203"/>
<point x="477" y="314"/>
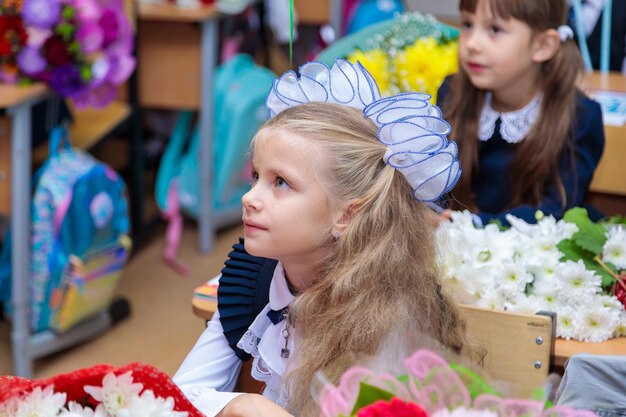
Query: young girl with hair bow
<point x="338" y="244"/>
<point x="528" y="138"/>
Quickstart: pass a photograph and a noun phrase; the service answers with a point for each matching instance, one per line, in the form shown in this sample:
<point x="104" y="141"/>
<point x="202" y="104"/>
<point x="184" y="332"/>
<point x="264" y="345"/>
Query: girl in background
<point x="337" y="200"/>
<point x="528" y="138"/>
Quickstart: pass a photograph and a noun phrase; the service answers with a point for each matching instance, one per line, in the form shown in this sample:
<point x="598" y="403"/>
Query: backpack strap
<point x="243" y="293"/>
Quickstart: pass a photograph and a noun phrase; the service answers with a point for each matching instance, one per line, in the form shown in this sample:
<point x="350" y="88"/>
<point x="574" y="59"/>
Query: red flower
<point x="12" y="34"/>
<point x="56" y="52"/>
<point x="620" y="290"/>
<point x="394" y="408"/>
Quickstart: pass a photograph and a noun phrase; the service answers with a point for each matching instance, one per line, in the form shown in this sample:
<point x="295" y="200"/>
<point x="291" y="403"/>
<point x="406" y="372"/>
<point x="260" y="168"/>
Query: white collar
<point x="514" y="125"/>
<point x="280" y="296"/>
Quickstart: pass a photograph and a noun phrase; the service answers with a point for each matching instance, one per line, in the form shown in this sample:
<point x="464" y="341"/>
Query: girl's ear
<point x="345" y="215"/>
<point x="545" y="45"/>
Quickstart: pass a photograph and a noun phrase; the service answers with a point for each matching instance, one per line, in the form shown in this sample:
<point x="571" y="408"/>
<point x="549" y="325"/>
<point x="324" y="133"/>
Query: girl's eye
<point x="495" y="29"/>
<point x="254" y="176"/>
<point x="466" y="24"/>
<point x="281" y="183"/>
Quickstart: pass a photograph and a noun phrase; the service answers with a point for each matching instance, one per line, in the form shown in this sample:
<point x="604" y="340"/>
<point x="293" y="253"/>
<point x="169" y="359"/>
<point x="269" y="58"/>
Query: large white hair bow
<point x="412" y="129"/>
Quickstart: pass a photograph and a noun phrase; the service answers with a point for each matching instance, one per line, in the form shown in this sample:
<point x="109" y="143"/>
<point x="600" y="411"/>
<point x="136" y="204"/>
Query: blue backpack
<point x="241" y="88"/>
<point x="79" y="241"/>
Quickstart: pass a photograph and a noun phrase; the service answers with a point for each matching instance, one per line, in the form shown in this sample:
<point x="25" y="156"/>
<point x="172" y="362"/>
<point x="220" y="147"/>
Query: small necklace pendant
<point x="284" y="352"/>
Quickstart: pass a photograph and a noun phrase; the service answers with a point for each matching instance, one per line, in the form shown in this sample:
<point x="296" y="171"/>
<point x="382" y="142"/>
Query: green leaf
<point x="66" y="31"/>
<point x="68" y="13"/>
<point x="369" y="394"/>
<point x="571" y="251"/>
<point x="616" y="219"/>
<point x="590" y="236"/>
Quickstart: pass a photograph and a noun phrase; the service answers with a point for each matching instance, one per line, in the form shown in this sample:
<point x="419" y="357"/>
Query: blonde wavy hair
<point x="381" y="279"/>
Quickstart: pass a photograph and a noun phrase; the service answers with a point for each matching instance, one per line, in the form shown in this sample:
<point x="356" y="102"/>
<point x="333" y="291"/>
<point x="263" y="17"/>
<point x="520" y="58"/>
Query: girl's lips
<point x="475" y="67"/>
<point x="252" y="227"/>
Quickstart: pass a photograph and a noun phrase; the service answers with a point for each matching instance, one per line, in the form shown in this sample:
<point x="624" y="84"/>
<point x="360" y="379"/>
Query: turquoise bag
<point x="78" y="213"/>
<point x="241" y="88"/>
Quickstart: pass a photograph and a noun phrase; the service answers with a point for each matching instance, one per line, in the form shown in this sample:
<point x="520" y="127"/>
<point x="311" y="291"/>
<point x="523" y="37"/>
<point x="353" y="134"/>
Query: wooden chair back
<point x="518" y="347"/>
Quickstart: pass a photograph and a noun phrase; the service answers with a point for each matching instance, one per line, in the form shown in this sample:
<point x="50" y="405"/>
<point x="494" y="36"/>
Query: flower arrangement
<point x="12" y="38"/>
<point x="573" y="267"/>
<point x="430" y="388"/>
<point x="414" y="55"/>
<point x="81" y="48"/>
<point x="135" y="390"/>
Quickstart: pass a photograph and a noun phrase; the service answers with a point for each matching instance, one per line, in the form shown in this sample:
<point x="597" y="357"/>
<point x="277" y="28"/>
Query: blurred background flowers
<point x="82" y="49"/>
<point x="413" y="55"/>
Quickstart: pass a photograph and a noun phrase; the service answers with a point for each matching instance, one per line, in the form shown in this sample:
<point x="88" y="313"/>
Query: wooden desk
<point x="563" y="349"/>
<point x="177" y="62"/>
<point x="611" y="172"/>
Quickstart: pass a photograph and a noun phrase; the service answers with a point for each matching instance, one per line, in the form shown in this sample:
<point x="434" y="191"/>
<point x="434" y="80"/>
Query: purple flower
<point x="65" y="80"/>
<point x="110" y="26"/>
<point x="95" y="97"/>
<point x="41" y="13"/>
<point x="31" y="61"/>
<point x="121" y="67"/>
<point x="90" y="37"/>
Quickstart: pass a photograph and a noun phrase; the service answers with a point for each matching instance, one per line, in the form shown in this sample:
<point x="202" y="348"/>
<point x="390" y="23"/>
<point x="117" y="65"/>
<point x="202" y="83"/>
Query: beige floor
<point x="161" y="328"/>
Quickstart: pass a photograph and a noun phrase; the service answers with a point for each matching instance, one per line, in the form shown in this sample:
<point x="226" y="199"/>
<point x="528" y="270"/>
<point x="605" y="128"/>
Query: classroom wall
<point x="442" y="9"/>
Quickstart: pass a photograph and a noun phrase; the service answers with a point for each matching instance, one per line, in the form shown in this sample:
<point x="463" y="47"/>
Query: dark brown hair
<point x="535" y="166"/>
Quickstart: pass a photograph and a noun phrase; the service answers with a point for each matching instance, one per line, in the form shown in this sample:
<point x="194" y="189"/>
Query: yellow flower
<point x="424" y="65"/>
<point x="376" y="62"/>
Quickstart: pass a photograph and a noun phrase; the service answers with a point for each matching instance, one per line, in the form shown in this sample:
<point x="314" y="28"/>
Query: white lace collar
<point x="514" y="125"/>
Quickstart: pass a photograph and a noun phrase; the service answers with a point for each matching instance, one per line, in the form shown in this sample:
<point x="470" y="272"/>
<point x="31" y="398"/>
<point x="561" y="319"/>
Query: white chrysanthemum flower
<point x="41" y="403"/>
<point x="620" y="329"/>
<point x="8" y="408"/>
<point x="566" y="324"/>
<point x="547" y="229"/>
<point x="76" y="410"/>
<point x="464" y="412"/>
<point x="549" y="301"/>
<point x="595" y="323"/>
<point x="512" y="278"/>
<point x="610" y="302"/>
<point x="490" y="298"/>
<point x="116" y="391"/>
<point x="524" y="304"/>
<point x="492" y="247"/>
<point x="473" y="281"/>
<point x="541" y="265"/>
<point x="463" y="219"/>
<point x="150" y="406"/>
<point x="614" y="249"/>
<point x="544" y="284"/>
<point x="578" y="282"/>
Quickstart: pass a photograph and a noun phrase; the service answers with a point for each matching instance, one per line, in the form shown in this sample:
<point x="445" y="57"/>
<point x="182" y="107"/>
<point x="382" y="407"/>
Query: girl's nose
<point x="472" y="41"/>
<point x="249" y="200"/>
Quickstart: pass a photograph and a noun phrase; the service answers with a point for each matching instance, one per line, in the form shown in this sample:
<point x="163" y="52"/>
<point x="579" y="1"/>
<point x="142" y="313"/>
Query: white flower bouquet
<point x="573" y="267"/>
<point x="135" y="390"/>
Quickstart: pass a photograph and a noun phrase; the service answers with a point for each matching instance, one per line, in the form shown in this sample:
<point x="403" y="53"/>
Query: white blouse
<point x="209" y="373"/>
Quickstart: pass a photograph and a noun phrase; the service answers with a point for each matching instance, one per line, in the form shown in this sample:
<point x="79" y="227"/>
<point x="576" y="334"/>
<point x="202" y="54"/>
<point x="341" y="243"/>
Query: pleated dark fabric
<point x="242" y="294"/>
